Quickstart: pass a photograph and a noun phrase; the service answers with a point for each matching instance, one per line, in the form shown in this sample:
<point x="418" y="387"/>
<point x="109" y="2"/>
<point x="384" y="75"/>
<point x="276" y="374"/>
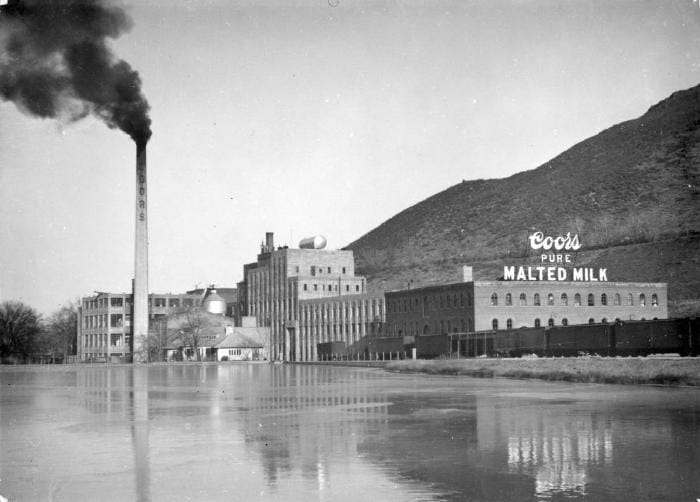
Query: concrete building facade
<point x="105" y="322"/>
<point x="279" y="284"/>
<point x="348" y="319"/>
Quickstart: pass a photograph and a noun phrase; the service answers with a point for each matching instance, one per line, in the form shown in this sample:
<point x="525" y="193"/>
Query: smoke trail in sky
<point x="55" y="63"/>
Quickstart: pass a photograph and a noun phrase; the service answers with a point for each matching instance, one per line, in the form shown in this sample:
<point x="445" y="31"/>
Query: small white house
<point x="242" y="344"/>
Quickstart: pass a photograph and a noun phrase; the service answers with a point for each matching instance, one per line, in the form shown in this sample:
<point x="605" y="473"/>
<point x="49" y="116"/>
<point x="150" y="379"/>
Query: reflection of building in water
<point x="303" y="413"/>
<point x="554" y="448"/>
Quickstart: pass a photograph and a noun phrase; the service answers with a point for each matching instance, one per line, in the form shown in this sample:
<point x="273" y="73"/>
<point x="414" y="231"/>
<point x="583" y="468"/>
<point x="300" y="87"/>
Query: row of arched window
<point x="435" y="327"/>
<point x="550" y="322"/>
<point x="432" y="302"/>
<point x="591" y="299"/>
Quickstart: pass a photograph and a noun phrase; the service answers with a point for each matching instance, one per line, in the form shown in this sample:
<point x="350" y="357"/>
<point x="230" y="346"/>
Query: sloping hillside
<point x="632" y="193"/>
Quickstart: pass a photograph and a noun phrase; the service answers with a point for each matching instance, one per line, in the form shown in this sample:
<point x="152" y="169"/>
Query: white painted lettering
<point x="509" y="273"/>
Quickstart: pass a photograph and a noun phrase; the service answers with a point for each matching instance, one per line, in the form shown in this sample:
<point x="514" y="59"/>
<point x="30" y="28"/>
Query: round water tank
<point x="214" y="304"/>
<point x="315" y="242"/>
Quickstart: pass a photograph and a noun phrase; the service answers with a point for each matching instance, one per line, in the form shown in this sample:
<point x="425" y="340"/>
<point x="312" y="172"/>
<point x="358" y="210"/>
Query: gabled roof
<point x="243" y="338"/>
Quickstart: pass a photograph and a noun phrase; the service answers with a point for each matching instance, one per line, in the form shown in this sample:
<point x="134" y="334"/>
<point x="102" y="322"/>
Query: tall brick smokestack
<point x="55" y="62"/>
<point x="140" y="318"/>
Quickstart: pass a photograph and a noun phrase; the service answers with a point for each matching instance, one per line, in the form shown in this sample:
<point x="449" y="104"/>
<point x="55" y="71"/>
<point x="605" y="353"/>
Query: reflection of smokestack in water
<point x="140" y="319"/>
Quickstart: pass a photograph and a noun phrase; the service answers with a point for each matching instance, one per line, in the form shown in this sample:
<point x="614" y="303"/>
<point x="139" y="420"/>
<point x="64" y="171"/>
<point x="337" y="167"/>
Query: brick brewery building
<point x="308" y="296"/>
<point x="468" y="306"/>
<point x="549" y="292"/>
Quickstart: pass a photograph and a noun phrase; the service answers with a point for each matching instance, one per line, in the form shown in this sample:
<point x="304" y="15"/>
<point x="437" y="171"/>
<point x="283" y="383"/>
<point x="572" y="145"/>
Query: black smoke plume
<point x="55" y="63"/>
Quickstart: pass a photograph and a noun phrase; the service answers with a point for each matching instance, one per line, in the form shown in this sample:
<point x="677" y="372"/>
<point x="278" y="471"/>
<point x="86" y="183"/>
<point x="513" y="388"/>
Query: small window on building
<point x="117" y="302"/>
<point x="461" y="300"/>
<point x="315" y="287"/>
<point x="630" y="299"/>
<point x="642" y="300"/>
<point x="347" y="287"/>
<point x="616" y="299"/>
<point x="523" y="299"/>
<point x="305" y="287"/>
<point x="449" y="301"/>
<point x="536" y="300"/>
<point x="494" y="299"/>
<point x="115" y="320"/>
<point x="329" y="270"/>
<point x="564" y="322"/>
<point x="654" y="300"/>
<point x="564" y="299"/>
<point x="509" y="324"/>
<point x="591" y="321"/>
<point x="550" y="322"/>
<point x="577" y="300"/>
<point x="591" y="300"/>
<point x="296" y="269"/>
<point x="494" y="324"/>
<point x="537" y="323"/>
<point x="174" y="302"/>
<point x="603" y="299"/>
<point x="550" y="299"/>
<point x="187" y="302"/>
<point x="313" y="270"/>
<point x="357" y="287"/>
<point x="343" y="269"/>
<point x="509" y="299"/>
<point x="160" y="302"/>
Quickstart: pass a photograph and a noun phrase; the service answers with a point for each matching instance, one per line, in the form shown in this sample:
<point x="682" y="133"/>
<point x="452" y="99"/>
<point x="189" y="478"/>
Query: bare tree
<point x="190" y="328"/>
<point x="62" y="330"/>
<point x="20" y="330"/>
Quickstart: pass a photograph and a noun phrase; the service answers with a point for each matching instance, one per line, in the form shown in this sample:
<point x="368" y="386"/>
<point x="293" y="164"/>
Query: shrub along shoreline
<point x="618" y="370"/>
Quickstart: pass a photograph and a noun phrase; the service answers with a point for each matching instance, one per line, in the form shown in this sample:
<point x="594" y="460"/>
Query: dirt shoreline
<point x="623" y="370"/>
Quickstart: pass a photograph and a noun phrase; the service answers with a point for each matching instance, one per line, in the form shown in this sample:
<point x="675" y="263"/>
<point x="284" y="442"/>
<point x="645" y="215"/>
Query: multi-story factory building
<point x="105" y="322"/>
<point x="284" y="284"/>
<point x="469" y="305"/>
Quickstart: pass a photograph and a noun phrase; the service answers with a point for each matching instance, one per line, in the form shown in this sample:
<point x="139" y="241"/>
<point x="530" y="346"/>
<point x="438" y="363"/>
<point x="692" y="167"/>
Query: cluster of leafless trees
<point x="26" y="336"/>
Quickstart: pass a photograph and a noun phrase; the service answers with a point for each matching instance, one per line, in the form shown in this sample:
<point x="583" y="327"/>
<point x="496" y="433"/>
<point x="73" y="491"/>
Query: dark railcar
<point x="580" y="339"/>
<point x="652" y="337"/>
<point x="694" y="336"/>
<point x="431" y="346"/>
<point x="385" y="345"/>
<point x="330" y="350"/>
<point x="519" y="342"/>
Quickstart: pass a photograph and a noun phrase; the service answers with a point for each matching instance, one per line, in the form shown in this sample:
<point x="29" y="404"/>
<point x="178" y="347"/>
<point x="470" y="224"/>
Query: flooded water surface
<point x="291" y="432"/>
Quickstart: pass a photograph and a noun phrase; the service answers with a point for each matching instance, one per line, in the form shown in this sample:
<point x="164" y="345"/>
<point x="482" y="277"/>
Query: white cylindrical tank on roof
<point x="315" y="242"/>
<point x="214" y="304"/>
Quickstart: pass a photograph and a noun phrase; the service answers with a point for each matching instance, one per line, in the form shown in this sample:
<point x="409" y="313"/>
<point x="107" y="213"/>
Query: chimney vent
<point x="467" y="275"/>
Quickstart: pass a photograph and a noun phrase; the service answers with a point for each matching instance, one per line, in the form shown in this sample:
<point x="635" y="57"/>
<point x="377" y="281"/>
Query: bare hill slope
<point x="632" y="193"/>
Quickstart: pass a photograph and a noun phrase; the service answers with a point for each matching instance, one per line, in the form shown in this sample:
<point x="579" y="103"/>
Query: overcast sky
<point x="317" y="117"/>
